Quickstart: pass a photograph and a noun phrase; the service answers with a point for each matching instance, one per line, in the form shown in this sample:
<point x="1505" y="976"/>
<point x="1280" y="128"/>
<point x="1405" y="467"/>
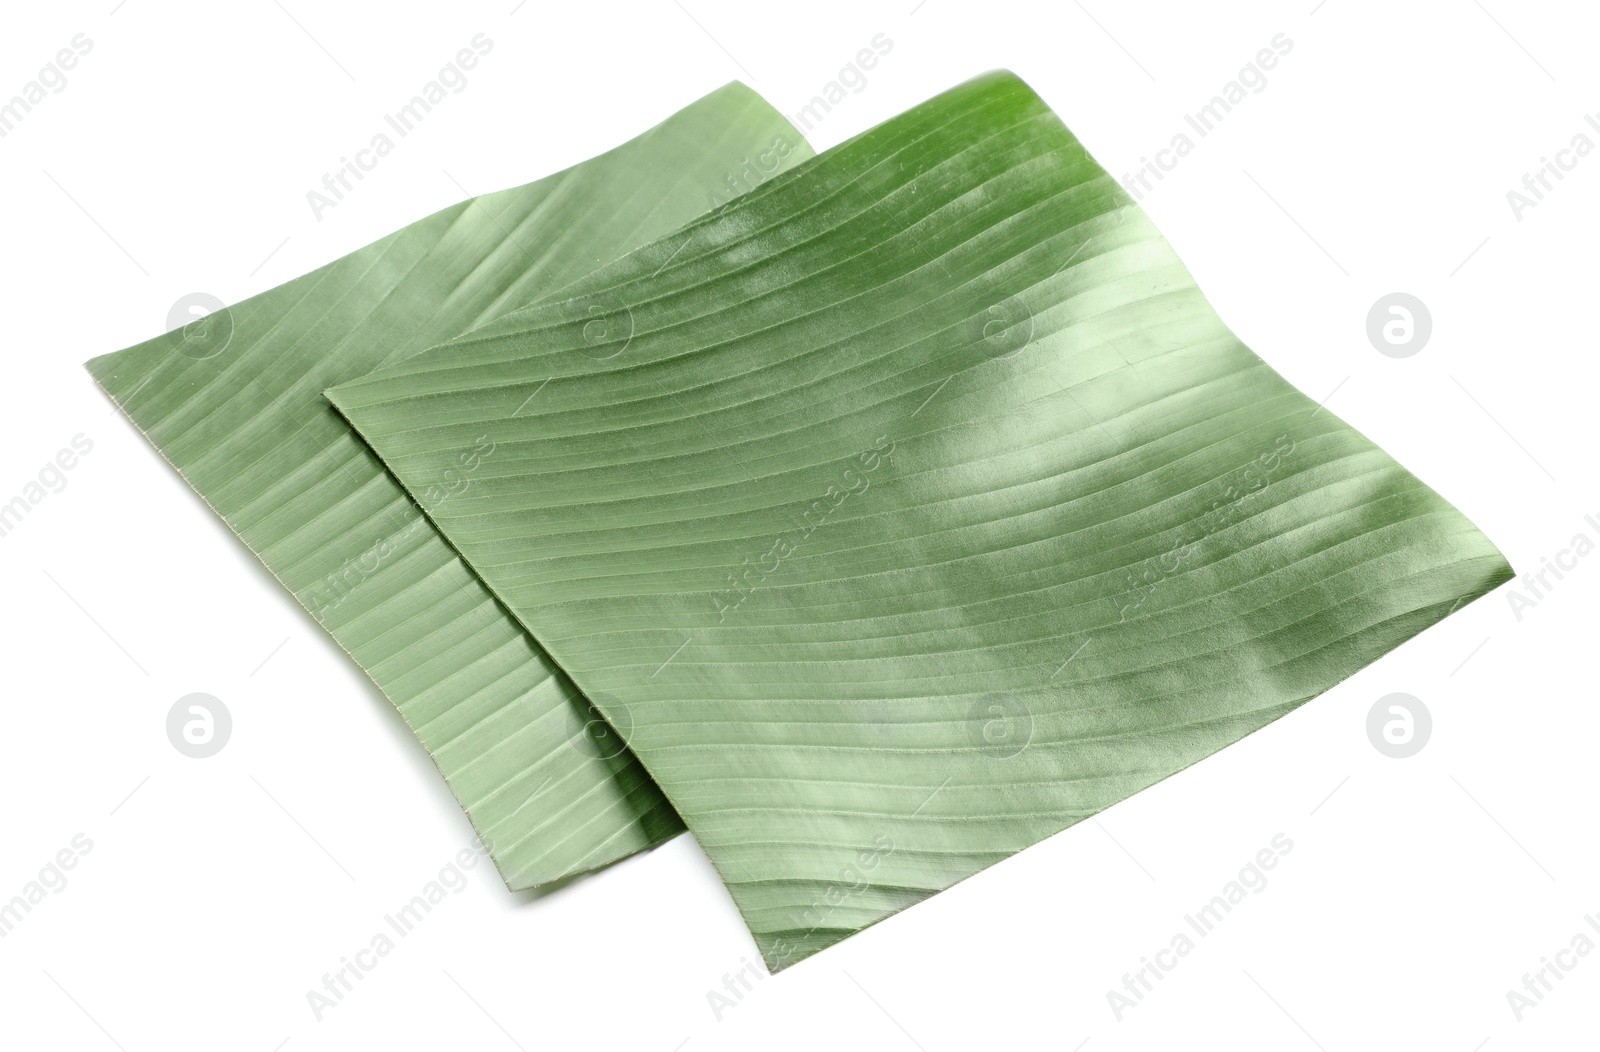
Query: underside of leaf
<point x="234" y="403"/>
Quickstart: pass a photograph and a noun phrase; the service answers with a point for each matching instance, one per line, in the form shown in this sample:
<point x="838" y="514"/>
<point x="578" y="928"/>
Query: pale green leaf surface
<point x="235" y="404"/>
<point x="915" y="507"/>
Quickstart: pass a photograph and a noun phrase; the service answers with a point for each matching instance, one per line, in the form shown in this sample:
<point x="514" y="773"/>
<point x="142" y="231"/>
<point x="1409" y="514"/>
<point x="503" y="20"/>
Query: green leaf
<point x="234" y="402"/>
<point x="914" y="507"/>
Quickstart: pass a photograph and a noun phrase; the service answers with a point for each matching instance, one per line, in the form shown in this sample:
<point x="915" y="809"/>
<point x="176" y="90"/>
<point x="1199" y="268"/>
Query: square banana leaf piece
<point x="234" y="402"/>
<point x="914" y="507"/>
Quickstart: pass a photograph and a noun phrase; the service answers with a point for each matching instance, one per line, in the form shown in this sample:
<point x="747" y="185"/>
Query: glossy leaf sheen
<point x="235" y="404"/>
<point x="914" y="507"/>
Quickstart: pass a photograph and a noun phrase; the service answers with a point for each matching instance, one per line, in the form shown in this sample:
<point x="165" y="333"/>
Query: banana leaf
<point x="914" y="507"/>
<point x="234" y="402"/>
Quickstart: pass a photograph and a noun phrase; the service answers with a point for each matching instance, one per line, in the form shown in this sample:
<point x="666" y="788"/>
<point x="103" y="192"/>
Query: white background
<point x="1377" y="159"/>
